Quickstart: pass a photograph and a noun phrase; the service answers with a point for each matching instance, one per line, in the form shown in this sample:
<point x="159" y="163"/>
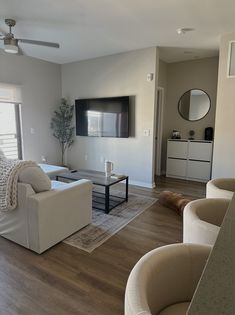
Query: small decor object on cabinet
<point x="209" y="133"/>
<point x="175" y="134"/>
<point x="191" y="133"/>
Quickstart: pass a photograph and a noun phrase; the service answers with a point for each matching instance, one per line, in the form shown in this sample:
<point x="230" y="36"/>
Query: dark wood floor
<point x="65" y="280"/>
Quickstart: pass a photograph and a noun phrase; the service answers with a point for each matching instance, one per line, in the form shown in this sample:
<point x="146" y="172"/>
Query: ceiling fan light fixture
<point x="11" y="45"/>
<point x="11" y="49"/>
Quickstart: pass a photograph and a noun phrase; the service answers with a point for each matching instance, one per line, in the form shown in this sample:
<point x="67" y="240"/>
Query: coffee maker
<point x="209" y="133"/>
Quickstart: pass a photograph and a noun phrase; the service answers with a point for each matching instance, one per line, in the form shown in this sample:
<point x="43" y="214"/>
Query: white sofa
<point x="43" y="219"/>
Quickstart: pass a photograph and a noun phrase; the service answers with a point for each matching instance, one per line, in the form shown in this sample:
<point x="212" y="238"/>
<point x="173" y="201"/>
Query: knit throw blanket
<point x="9" y="173"/>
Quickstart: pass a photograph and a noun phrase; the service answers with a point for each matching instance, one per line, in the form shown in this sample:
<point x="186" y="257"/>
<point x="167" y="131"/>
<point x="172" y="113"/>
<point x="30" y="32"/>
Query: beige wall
<point x="224" y="148"/>
<point x="183" y="76"/>
<point x="116" y="75"/>
<point x="41" y="89"/>
<point x="162" y="76"/>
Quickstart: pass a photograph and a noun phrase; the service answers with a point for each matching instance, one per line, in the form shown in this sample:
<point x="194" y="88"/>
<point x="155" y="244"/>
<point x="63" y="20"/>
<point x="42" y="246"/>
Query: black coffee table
<point x="102" y="201"/>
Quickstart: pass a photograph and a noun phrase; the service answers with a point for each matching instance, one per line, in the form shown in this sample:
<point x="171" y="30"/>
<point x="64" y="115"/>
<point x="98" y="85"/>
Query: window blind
<point x="10" y="93"/>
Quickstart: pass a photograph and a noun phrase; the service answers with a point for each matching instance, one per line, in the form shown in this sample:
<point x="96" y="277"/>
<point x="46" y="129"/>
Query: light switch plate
<point x="146" y="132"/>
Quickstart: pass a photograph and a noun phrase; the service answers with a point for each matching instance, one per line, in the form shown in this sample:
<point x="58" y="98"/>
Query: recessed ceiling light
<point x="184" y="30"/>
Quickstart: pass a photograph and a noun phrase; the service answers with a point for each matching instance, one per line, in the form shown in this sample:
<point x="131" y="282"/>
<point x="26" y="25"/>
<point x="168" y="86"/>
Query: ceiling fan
<point x="11" y="43"/>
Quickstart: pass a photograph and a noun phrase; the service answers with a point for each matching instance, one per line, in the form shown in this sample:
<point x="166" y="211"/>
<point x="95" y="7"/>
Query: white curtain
<point x="10" y="93"/>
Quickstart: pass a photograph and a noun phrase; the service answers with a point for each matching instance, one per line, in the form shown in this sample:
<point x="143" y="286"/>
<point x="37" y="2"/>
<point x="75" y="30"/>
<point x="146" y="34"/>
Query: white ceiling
<point x="92" y="28"/>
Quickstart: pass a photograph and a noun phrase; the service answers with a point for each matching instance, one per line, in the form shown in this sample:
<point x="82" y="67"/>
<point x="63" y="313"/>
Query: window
<point x="231" y="60"/>
<point x="10" y="129"/>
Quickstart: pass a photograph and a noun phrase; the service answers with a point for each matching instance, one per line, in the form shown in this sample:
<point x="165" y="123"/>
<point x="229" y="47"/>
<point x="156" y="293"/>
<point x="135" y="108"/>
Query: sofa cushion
<point x="57" y="185"/>
<point x="34" y="176"/>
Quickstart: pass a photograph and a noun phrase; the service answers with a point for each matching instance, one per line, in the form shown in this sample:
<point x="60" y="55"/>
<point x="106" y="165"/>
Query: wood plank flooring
<point x="65" y="280"/>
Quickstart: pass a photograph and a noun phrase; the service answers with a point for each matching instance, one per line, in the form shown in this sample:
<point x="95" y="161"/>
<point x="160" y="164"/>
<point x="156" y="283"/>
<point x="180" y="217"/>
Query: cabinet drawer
<point x="199" y="170"/>
<point x="177" y="149"/>
<point x="200" y="151"/>
<point x="176" y="167"/>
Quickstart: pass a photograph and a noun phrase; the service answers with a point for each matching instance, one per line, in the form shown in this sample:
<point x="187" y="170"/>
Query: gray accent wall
<point x="181" y="77"/>
<point x="117" y="75"/>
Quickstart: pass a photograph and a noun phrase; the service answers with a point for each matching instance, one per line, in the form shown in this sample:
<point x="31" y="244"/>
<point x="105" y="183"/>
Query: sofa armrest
<point x="64" y="188"/>
<point x="58" y="213"/>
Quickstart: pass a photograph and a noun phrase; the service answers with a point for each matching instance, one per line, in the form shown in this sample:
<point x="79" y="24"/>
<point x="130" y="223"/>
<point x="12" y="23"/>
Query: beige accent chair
<point x="220" y="188"/>
<point x="202" y="219"/>
<point x="43" y="219"/>
<point x="164" y="280"/>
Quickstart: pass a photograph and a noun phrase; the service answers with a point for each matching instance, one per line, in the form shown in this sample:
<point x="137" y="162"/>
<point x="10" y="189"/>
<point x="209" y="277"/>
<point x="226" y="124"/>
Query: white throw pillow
<point x="34" y="176"/>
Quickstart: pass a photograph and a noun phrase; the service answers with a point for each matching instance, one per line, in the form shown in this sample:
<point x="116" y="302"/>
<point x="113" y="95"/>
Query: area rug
<point x="104" y="225"/>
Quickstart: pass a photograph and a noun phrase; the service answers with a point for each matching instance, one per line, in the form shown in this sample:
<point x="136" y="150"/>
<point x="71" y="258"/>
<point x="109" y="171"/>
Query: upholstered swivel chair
<point x="220" y="188"/>
<point x="202" y="220"/>
<point x="164" y="280"/>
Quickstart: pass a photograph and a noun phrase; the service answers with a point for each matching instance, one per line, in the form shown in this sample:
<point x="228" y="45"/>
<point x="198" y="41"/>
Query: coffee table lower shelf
<point x="103" y="201"/>
<point x="99" y="201"/>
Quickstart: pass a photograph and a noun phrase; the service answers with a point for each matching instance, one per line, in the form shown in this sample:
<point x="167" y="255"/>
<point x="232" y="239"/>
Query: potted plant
<point x="62" y="126"/>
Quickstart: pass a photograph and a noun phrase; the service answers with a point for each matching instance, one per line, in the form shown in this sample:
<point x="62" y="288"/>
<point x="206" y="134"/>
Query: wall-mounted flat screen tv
<point x="103" y="117"/>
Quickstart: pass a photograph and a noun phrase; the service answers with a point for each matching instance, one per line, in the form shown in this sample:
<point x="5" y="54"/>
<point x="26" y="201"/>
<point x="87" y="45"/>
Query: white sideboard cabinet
<point x="189" y="159"/>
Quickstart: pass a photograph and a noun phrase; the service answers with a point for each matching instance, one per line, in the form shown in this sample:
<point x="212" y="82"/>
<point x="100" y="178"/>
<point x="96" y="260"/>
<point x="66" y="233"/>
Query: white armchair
<point x="220" y="188"/>
<point x="202" y="220"/>
<point x="164" y="280"/>
<point x="43" y="219"/>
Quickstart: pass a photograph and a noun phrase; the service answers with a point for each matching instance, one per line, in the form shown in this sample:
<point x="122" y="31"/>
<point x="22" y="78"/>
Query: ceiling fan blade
<point x="2" y="33"/>
<point x="38" y="42"/>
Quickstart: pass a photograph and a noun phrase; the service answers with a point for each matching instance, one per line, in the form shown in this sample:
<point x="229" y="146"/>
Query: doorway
<point x="10" y="130"/>
<point x="159" y="130"/>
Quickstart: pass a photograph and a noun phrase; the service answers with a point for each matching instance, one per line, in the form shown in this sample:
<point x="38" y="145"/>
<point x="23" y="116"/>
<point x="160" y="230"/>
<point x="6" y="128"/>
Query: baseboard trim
<point x="141" y="184"/>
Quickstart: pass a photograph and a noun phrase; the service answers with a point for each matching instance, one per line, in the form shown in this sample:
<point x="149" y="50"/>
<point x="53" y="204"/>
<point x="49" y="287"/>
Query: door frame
<point x="159" y="129"/>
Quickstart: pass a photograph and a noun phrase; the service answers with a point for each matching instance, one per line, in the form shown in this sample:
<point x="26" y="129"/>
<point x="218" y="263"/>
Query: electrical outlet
<point x="86" y="157"/>
<point x="43" y="159"/>
<point x="32" y="131"/>
<point x="150" y="77"/>
<point x="102" y="159"/>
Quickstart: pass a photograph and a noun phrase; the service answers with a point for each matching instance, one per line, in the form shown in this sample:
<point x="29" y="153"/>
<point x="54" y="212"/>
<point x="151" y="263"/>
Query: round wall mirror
<point x="194" y="104"/>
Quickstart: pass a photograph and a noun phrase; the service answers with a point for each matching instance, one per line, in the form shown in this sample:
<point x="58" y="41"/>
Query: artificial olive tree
<point x="62" y="126"/>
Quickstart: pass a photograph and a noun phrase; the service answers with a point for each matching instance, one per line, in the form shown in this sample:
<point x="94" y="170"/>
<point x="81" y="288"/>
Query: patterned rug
<point x="104" y="225"/>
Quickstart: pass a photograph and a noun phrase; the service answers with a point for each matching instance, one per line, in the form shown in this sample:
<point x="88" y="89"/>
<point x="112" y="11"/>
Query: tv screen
<point x="103" y="117"/>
